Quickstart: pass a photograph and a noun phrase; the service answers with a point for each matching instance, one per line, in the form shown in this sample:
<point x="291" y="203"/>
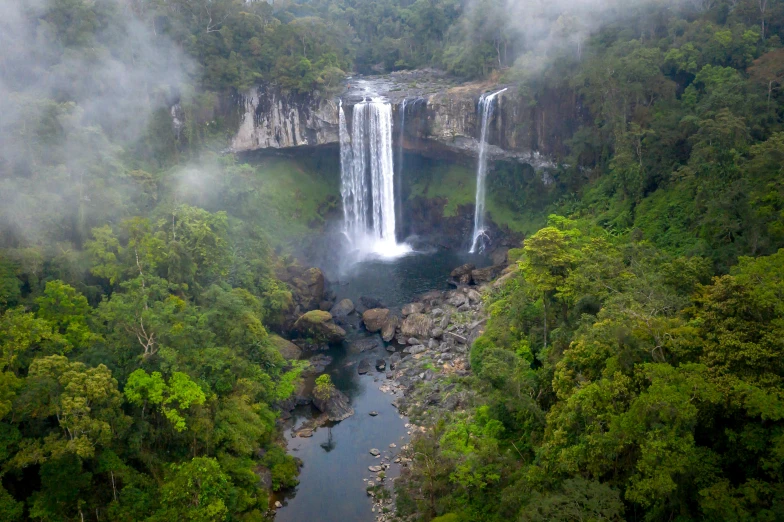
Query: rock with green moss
<point x="318" y="325"/>
<point x="287" y="349"/>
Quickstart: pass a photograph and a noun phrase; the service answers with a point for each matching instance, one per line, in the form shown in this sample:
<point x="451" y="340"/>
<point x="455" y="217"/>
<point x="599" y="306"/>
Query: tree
<point x="768" y="69"/>
<point x="549" y="257"/>
<point x="197" y="490"/>
<point x="171" y="399"/>
<point x="84" y="403"/>
<point x="69" y="312"/>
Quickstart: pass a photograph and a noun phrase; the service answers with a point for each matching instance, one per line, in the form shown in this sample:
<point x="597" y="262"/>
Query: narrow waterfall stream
<point x="399" y="178"/>
<point x="486" y="108"/>
<point x="368" y="179"/>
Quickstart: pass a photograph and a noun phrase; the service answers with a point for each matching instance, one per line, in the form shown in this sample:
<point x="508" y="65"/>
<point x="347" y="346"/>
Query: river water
<point x="336" y="458"/>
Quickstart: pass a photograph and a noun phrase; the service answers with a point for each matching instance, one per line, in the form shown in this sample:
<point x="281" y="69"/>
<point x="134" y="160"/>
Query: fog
<point x="74" y="88"/>
<point x="541" y="29"/>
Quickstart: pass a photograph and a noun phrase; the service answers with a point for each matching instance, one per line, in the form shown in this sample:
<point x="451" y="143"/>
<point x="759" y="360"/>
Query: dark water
<point x="399" y="281"/>
<point x="336" y="458"/>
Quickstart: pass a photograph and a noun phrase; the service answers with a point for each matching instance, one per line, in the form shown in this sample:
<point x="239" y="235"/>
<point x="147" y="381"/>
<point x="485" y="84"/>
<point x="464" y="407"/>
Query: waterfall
<point x="399" y="178"/>
<point x="486" y="108"/>
<point x="368" y="178"/>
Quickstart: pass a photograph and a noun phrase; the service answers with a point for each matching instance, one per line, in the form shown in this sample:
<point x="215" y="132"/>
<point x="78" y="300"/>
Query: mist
<point x="544" y="29"/>
<point x="77" y="85"/>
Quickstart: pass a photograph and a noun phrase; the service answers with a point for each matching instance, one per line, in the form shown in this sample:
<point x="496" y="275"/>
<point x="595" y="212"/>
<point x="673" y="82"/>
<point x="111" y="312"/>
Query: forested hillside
<point x="633" y="364"/>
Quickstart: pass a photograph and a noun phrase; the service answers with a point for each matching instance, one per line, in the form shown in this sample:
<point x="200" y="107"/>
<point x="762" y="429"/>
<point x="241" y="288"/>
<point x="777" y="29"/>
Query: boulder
<point x="432" y="298"/>
<point x="363" y="367"/>
<point x="417" y="325"/>
<point x="388" y="331"/>
<point x="457" y="299"/>
<point x="394" y="360"/>
<point x="460" y="271"/>
<point x="381" y="365"/>
<point x="375" y="319"/>
<point x="474" y="297"/>
<point x="343" y="308"/>
<point x="414" y="350"/>
<point x="413" y="308"/>
<point x="289" y="350"/>
<point x="485" y="275"/>
<point x="500" y="256"/>
<point x="336" y="406"/>
<point x="318" y="325"/>
<point x="326" y="306"/>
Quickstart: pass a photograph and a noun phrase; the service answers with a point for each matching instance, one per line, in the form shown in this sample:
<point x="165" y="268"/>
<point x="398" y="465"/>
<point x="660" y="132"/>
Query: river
<point x="336" y="459"/>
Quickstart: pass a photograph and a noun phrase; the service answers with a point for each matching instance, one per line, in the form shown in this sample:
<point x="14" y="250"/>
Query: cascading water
<point x="368" y="179"/>
<point x="486" y="108"/>
<point x="399" y="178"/>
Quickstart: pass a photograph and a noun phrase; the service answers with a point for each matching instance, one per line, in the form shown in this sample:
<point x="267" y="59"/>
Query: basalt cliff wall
<point x="441" y="119"/>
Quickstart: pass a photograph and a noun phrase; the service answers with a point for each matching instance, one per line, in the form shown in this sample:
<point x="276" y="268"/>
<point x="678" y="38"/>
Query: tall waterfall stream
<point x="368" y="179"/>
<point x="486" y="108"/>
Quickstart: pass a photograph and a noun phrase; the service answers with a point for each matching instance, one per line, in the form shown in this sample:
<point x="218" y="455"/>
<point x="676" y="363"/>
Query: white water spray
<point x="486" y="108"/>
<point x="368" y="179"/>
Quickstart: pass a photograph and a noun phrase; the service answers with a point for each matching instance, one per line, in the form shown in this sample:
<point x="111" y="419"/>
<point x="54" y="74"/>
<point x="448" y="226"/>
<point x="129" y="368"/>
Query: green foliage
<point x="659" y="394"/>
<point x="197" y="490"/>
<point x="283" y="468"/>
<point x="171" y="398"/>
<point x="324" y="387"/>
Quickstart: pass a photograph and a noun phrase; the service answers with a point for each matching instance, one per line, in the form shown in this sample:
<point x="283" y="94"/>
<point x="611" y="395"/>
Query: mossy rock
<point x="318" y="326"/>
<point x="287" y="349"/>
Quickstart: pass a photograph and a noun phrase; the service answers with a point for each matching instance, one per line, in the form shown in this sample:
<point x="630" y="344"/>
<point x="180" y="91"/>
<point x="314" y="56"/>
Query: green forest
<point x="633" y="364"/>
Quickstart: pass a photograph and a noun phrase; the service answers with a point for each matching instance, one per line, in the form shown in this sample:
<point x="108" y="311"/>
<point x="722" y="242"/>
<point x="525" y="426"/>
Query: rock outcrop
<point x="272" y="119"/>
<point x="336" y="406"/>
<point x="318" y="325"/>
<point x="287" y="349"/>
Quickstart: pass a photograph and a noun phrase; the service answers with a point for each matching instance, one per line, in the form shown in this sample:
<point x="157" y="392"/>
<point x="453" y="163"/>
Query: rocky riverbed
<point x="387" y="359"/>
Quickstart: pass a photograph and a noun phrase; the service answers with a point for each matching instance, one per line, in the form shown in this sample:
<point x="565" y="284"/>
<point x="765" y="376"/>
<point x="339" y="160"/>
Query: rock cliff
<point x="274" y="120"/>
<point x="442" y="117"/>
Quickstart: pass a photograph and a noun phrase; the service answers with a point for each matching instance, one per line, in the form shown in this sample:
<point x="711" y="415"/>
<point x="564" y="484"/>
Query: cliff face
<point x="441" y="118"/>
<point x="273" y="120"/>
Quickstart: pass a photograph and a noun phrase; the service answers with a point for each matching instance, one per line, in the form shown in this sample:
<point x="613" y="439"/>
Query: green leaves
<point x="171" y="399"/>
<point x="198" y="491"/>
<point x="83" y="403"/>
